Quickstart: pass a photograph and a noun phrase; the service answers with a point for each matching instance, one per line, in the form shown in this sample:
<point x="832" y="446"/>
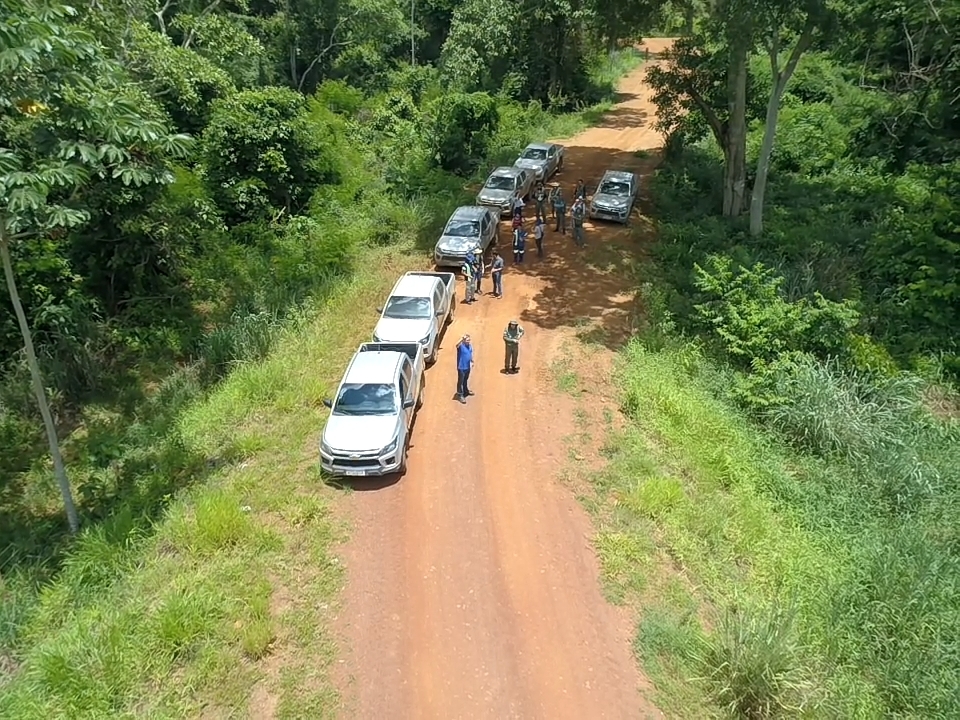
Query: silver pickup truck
<point x="420" y="305"/>
<point x="372" y="413"/>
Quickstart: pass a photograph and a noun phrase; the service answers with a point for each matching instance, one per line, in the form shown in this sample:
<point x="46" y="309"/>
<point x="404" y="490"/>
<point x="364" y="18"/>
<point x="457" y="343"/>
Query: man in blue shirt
<point x="464" y="365"/>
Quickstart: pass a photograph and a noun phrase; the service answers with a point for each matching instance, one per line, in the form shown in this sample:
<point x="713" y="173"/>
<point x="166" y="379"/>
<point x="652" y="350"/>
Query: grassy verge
<point x="762" y="576"/>
<point x="235" y="573"/>
<point x="208" y="589"/>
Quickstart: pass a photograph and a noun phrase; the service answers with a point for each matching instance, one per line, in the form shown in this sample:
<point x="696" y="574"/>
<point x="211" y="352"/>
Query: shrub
<point x="461" y="127"/>
<point x="263" y="155"/>
<point x="744" y="307"/>
<point x="752" y="664"/>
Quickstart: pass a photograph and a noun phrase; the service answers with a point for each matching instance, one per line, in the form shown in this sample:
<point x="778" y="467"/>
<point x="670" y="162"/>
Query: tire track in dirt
<point x="472" y="587"/>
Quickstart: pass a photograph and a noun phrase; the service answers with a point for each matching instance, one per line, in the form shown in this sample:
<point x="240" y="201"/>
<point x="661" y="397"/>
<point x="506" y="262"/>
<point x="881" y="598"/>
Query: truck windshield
<point x="500" y="182"/>
<point x="534" y="154"/>
<point x="373" y="399"/>
<point x="615" y="188"/>
<point x="407" y="308"/>
<point x="463" y="228"/>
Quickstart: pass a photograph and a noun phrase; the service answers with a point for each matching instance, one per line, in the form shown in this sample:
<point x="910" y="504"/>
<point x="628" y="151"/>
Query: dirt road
<point x="472" y="588"/>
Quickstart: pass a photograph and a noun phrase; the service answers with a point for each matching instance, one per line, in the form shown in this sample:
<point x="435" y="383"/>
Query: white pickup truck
<point x="372" y="413"/>
<point x="419" y="306"/>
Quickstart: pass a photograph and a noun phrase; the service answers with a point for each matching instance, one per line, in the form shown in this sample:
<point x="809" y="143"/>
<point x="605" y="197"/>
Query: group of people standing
<point x="552" y="198"/>
<point x="473" y="270"/>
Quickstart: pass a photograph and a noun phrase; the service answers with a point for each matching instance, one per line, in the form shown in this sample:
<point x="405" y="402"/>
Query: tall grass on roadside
<point x="752" y="664"/>
<point x="845" y="499"/>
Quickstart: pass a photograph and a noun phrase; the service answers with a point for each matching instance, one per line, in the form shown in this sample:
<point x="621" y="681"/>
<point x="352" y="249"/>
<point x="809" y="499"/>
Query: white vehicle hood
<point x="359" y="433"/>
<point x="397" y="330"/>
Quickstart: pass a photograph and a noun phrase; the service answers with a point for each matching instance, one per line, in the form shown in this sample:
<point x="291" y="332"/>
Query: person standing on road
<point x="496" y="271"/>
<point x="538" y="236"/>
<point x="581" y="191"/>
<point x="519" y="244"/>
<point x="560" y="211"/>
<point x="511" y="341"/>
<point x="464" y="366"/>
<point x="518" y="207"/>
<point x="478" y="268"/>
<point x="540" y="198"/>
<point x="470" y="283"/>
<point x="579" y="210"/>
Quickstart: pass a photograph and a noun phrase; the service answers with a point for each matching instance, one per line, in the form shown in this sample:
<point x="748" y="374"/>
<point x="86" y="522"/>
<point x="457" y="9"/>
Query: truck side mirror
<point x="327" y="402"/>
<point x="380" y="311"/>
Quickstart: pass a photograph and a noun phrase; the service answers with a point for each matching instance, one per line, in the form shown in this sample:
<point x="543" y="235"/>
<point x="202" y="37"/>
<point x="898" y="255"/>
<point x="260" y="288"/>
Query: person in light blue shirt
<point x="464" y="366"/>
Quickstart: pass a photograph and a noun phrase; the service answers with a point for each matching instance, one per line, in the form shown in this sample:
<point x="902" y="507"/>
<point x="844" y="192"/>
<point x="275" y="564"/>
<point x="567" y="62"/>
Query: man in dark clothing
<point x="579" y="211"/>
<point x="511" y="341"/>
<point x="496" y="270"/>
<point x="580" y="192"/>
<point x="478" y="268"/>
<point x="560" y="210"/>
<point x="464" y="366"/>
<point x="519" y="244"/>
<point x="540" y="198"/>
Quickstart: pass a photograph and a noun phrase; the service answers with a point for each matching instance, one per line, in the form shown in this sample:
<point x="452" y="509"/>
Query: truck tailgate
<point x="447" y="278"/>
<point x="412" y="350"/>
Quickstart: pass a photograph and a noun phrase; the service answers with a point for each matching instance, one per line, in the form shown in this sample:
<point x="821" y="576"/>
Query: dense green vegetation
<point x="192" y="194"/>
<point x="787" y="495"/>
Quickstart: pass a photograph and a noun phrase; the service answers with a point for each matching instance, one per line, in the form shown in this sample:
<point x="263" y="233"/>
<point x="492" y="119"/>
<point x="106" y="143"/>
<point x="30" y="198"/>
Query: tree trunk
<point x="58" y="467"/>
<point x="763" y="162"/>
<point x="735" y="146"/>
<point x="779" y="86"/>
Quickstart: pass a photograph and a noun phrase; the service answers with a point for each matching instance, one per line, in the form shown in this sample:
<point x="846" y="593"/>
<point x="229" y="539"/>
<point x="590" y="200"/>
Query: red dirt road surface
<point x="472" y="587"/>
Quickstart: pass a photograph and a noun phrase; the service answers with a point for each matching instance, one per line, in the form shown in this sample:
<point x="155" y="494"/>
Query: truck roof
<point x="507" y="171"/>
<point x="618" y="175"/>
<point x="415" y="286"/>
<point x="470" y="212"/>
<point x="539" y="146"/>
<point x="373" y="367"/>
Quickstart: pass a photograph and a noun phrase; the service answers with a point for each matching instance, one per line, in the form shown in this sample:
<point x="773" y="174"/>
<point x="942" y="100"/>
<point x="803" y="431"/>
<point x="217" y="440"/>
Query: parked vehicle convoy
<point x="420" y="305"/>
<point x="469" y="227"/>
<point x="505" y="185"/>
<point x="544" y="159"/>
<point x="615" y="196"/>
<point x="373" y="411"/>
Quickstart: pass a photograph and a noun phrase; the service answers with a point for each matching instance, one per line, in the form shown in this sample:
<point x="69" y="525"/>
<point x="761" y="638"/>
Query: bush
<point x="461" y="127"/>
<point x="752" y="664"/>
<point x="746" y="310"/>
<point x="263" y="155"/>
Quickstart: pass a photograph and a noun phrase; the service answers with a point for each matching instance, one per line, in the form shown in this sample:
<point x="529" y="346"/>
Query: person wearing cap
<point x="464" y="366"/>
<point x="511" y="341"/>
<point x="478" y="268"/>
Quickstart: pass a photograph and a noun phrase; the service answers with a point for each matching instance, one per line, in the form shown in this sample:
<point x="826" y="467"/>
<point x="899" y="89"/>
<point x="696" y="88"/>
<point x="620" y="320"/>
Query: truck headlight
<point x="325" y="449"/>
<point x="425" y="340"/>
<point x="392" y="446"/>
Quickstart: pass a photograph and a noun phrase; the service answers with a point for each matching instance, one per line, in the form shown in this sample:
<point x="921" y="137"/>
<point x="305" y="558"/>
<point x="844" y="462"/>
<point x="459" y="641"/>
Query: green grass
<point x="770" y="582"/>
<point x="163" y="624"/>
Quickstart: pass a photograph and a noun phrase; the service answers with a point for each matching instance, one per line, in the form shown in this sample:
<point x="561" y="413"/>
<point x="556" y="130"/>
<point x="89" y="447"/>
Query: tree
<point x="264" y="155"/>
<point x="782" y="20"/>
<point x="704" y="88"/>
<point x="72" y="119"/>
